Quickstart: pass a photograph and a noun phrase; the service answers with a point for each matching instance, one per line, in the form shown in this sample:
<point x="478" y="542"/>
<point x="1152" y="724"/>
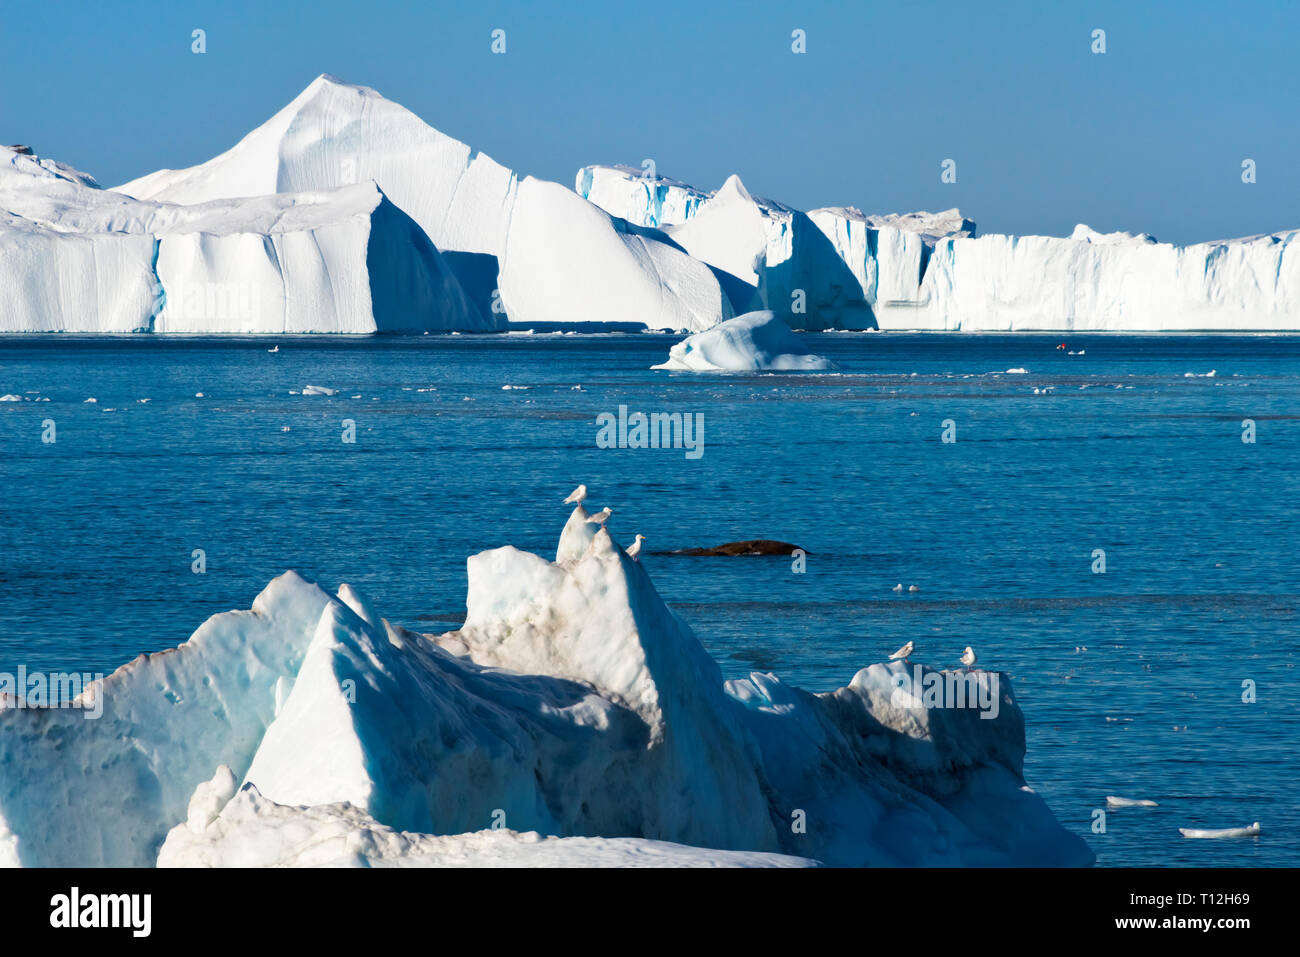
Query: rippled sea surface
<point x="1132" y="680"/>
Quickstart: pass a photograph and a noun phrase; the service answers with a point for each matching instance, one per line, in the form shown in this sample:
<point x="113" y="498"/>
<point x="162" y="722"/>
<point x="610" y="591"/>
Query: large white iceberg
<point x="74" y="257"/>
<point x="1091" y="282"/>
<point x="754" y="342"/>
<point x="930" y="271"/>
<point x="527" y="250"/>
<point x="572" y="703"/>
<point x="768" y="255"/>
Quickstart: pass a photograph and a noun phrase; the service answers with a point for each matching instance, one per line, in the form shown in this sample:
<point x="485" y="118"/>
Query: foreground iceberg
<point x="74" y="257"/>
<point x="567" y="262"/>
<point x="573" y="703"/>
<point x="754" y="342"/>
<point x="84" y="792"/>
<point x="252" y="831"/>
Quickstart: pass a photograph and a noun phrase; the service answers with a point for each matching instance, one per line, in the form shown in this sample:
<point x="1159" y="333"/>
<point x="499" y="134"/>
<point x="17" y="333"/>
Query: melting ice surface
<point x="572" y="702"/>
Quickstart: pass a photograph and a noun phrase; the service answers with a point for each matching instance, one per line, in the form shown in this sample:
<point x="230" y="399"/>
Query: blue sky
<point x="1149" y="136"/>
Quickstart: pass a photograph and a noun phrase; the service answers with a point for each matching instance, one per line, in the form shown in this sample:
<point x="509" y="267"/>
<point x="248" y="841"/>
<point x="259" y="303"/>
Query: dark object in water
<point x="753" y="546"/>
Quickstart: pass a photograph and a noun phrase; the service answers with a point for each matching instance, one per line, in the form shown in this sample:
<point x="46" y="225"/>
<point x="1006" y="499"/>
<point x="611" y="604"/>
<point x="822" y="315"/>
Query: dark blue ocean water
<point x="1120" y="450"/>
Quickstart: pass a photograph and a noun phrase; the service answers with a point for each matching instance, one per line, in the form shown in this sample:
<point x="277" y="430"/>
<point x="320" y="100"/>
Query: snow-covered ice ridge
<point x="574" y="710"/>
<point x="930" y="271"/>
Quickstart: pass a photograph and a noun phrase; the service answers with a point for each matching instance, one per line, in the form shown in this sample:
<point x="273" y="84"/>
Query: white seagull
<point x="634" y="549"/>
<point x="577" y="495"/>
<point x="601" y="517"/>
<point x="968" y="658"/>
<point x="912" y="588"/>
<point x="898" y="587"/>
<point x="905" y="652"/>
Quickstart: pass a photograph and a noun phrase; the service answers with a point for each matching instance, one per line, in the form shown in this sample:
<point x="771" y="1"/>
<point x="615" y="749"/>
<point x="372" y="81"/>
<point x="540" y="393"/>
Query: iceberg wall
<point x="79" y="258"/>
<point x="930" y="271"/>
<point x="572" y="703"/>
<point x="638" y="196"/>
<point x="1006" y="283"/>
<point x="568" y="261"/>
<point x="818" y="270"/>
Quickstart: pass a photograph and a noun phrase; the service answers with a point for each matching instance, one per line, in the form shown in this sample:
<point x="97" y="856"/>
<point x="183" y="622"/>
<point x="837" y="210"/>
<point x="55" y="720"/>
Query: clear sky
<point x="1147" y="137"/>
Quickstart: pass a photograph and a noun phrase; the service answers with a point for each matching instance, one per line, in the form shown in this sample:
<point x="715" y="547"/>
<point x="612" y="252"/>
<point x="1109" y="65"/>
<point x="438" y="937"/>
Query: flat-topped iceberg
<point x="930" y="271"/>
<point x="1095" y="282"/>
<point x="755" y="342"/>
<point x="572" y="711"/>
<point x="74" y="257"/>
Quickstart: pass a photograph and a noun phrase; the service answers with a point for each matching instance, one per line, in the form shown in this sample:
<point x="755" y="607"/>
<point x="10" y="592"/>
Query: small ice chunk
<point x="1113" y="801"/>
<point x="1211" y="833"/>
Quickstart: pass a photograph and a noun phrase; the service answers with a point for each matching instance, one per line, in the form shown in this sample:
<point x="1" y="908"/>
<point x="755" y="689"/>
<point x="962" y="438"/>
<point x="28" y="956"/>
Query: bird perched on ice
<point x="634" y="549"/>
<point x="905" y="652"/>
<point x="577" y="495"/>
<point x="601" y="517"/>
<point x="968" y="658"/>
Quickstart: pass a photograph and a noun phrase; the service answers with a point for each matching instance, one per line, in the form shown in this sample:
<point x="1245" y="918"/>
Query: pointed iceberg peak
<point x="734" y="187"/>
<point x="328" y="82"/>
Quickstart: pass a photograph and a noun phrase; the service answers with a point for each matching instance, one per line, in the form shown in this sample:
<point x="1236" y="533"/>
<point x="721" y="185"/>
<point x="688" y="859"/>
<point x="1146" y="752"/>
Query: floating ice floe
<point x="572" y="703"/>
<point x="1113" y="801"/>
<point x="756" y="341"/>
<point x="1212" y="833"/>
<point x="319" y="390"/>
